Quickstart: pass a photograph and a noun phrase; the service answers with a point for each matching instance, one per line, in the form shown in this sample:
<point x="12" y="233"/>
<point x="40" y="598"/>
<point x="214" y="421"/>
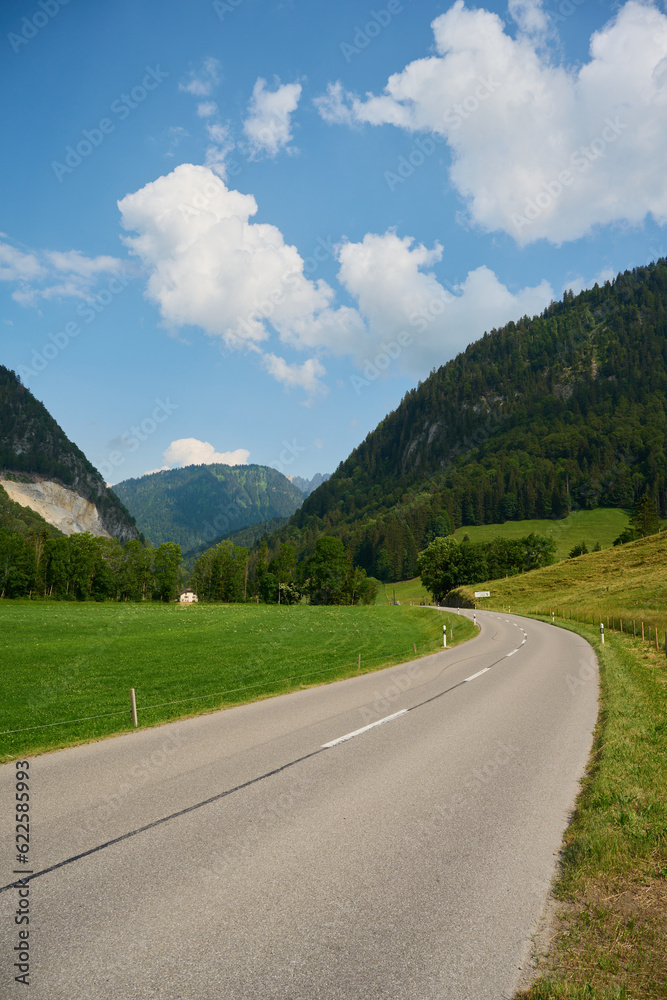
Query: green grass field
<point x="64" y="661"/>
<point x="628" y="582"/>
<point x="602" y="525"/>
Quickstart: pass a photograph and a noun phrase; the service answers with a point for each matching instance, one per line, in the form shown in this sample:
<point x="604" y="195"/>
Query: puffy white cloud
<point x="410" y="317"/>
<point x="268" y="127"/>
<point x="203" y="80"/>
<point x="191" y="451"/>
<point x="55" y="274"/>
<point x="305" y="376"/>
<point x="211" y="267"/>
<point x="529" y="15"/>
<point x="539" y="150"/>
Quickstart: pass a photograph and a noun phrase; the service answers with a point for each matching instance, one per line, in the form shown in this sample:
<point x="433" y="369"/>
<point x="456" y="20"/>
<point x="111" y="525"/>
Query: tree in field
<point x="327" y="572"/>
<point x="438" y="566"/>
<point x="167" y="577"/>
<point x="644" y="519"/>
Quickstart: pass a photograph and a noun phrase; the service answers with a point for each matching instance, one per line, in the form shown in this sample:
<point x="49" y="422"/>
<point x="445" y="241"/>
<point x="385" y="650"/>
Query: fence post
<point x="359" y="662"/>
<point x="657" y="642"/>
<point x="133" y="704"/>
<point x="642" y="630"/>
<point x="414" y="646"/>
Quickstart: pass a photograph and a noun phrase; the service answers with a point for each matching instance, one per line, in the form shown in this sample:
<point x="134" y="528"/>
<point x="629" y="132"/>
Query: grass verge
<point x="64" y="661"/>
<point x="611" y="937"/>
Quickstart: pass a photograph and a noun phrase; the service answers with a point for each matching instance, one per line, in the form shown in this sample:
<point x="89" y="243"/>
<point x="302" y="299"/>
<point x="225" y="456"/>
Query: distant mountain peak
<point x="307" y="486"/>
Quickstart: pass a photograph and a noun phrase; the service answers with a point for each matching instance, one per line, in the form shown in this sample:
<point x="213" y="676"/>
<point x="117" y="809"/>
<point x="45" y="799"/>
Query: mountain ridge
<point x="202" y="503"/>
<point x="35" y="448"/>
<point x="564" y="411"/>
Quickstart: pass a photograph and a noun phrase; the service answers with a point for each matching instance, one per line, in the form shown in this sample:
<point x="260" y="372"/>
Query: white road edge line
<point x="478" y="674"/>
<point x="364" y="729"/>
<point x="513" y="652"/>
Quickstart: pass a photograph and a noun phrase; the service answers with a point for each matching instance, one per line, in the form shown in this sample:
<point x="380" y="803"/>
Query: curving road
<point x="252" y="854"/>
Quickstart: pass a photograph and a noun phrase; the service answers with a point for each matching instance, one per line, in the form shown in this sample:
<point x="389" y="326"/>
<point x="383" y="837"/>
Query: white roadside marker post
<point x="133" y="703"/>
<point x="602" y="633"/>
<point x="444" y="636"/>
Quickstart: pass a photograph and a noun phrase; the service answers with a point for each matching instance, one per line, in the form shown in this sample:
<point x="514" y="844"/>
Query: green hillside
<point x="565" y="412"/>
<point x="602" y="525"/>
<point x="23" y="520"/>
<point x="33" y="445"/>
<point x="628" y="582"/>
<point x="200" y="504"/>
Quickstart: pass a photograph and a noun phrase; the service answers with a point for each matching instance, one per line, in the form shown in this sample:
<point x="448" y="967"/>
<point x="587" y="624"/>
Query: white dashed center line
<point x="364" y="729"/>
<point x="478" y="674"/>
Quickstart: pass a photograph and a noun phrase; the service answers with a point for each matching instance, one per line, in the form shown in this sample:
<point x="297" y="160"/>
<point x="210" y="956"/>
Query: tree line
<point x="445" y="563"/>
<point x="82" y="567"/>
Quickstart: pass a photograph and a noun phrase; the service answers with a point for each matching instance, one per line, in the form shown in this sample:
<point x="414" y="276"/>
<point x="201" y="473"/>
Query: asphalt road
<point x="409" y="862"/>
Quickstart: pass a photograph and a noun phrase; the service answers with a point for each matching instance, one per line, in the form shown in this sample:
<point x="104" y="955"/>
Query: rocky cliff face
<point x="36" y="453"/>
<point x="62" y="508"/>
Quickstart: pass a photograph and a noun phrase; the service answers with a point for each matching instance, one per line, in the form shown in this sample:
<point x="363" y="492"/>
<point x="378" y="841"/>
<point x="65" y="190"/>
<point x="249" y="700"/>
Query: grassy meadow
<point x="66" y="661"/>
<point x="602" y="525"/>
<point x="628" y="582"/>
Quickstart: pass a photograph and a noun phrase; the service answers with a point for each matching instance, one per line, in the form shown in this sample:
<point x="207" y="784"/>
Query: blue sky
<point x="242" y="230"/>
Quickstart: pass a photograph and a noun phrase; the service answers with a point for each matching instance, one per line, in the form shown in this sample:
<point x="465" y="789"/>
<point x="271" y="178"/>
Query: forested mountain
<point x="566" y="410"/>
<point x="203" y="503"/>
<point x="34" y="447"/>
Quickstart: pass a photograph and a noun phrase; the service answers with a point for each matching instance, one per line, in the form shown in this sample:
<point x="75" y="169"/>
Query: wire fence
<point x="423" y="650"/>
<point x="649" y="632"/>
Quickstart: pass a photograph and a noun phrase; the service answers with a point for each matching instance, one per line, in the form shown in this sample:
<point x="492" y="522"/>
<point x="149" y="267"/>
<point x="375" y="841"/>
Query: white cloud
<point x="202" y="81"/>
<point x="578" y="284"/>
<point x="190" y="451"/>
<point x="163" y="468"/>
<point x="529" y="15"/>
<point x="268" y="127"/>
<point x="55" y="274"/>
<point x="206" y="109"/>
<point x="15" y="265"/>
<point x="221" y="146"/>
<point x="211" y="267"/>
<point x="538" y="150"/>
<point x="410" y="317"/>
<point x="305" y="376"/>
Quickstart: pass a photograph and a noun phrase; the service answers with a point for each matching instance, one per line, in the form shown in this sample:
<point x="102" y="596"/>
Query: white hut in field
<point x="188" y="597"/>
